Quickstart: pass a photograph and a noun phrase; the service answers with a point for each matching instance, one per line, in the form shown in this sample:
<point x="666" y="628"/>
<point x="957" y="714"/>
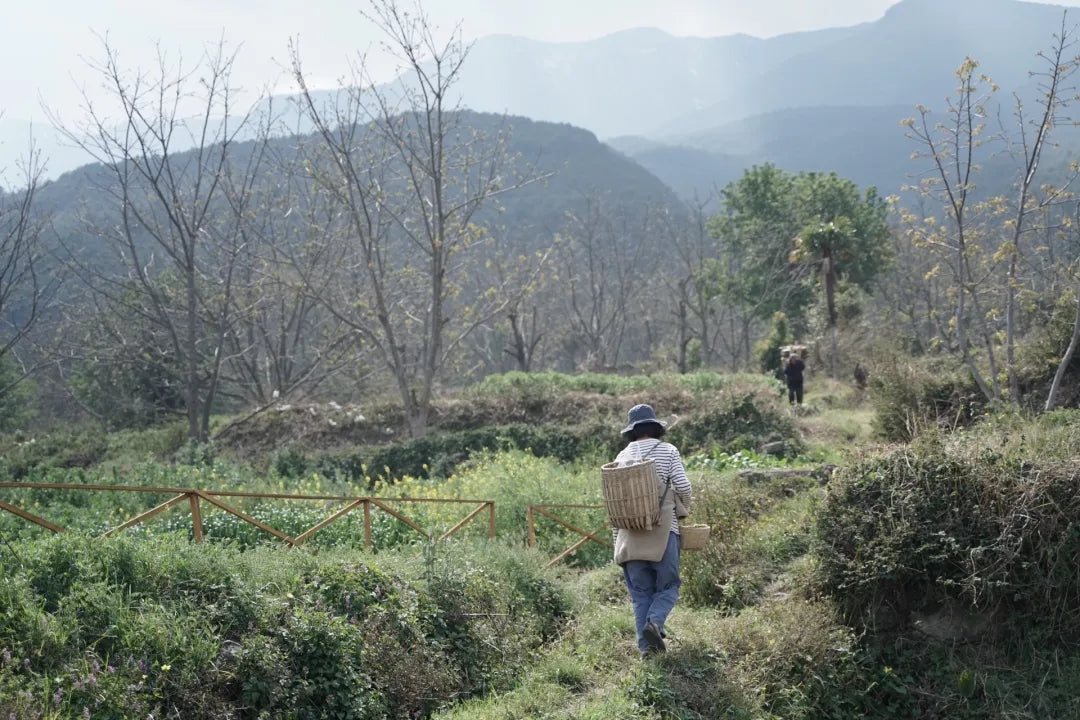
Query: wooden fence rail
<point x="545" y="510"/>
<point x="195" y="498"/>
<point x="214" y="497"/>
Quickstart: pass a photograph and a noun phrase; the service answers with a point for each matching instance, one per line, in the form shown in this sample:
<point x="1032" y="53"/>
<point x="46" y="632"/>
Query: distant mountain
<point x="630" y="82"/>
<point x="865" y="144"/>
<point x="647" y="83"/>
<point x="697" y="111"/>
<point x="907" y="57"/>
<point x="689" y="171"/>
<point x="575" y="165"/>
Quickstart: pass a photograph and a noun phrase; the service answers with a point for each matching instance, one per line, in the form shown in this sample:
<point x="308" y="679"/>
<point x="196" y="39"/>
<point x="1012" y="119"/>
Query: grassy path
<point x="762" y="649"/>
<point x="728" y="661"/>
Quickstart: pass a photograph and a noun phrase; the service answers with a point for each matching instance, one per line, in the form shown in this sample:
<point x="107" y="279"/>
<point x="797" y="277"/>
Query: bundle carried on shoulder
<point x="630" y="496"/>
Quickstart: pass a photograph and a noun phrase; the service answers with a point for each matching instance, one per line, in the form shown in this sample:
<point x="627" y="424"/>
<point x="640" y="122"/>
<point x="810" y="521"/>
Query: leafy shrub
<point x="910" y="397"/>
<point x="290" y="463"/>
<point x="16" y="406"/>
<point x="922" y="527"/>
<point x="795" y="661"/>
<point x="438" y="454"/>
<point x="316" y="668"/>
<point x="493" y="622"/>
<point x="572" y="400"/>
<point x="128" y="628"/>
<point x="755" y="530"/>
<point x="73" y="449"/>
<point x="30" y="458"/>
<point x="742" y="423"/>
<point x="543" y="387"/>
<point x="719" y="460"/>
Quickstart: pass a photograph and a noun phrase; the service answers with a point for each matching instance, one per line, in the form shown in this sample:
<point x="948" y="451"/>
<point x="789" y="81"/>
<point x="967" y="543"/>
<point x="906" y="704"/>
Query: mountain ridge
<point x="688" y="91"/>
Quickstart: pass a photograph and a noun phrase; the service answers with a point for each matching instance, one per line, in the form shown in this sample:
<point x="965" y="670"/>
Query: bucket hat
<point x="639" y="415"/>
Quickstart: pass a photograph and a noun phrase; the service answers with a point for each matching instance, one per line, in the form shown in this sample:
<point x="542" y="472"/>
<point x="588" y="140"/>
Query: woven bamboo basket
<point x="694" y="537"/>
<point x="630" y="495"/>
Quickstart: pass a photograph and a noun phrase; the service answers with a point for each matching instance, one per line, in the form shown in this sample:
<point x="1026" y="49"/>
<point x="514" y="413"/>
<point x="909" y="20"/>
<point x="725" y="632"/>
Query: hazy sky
<point x="45" y="41"/>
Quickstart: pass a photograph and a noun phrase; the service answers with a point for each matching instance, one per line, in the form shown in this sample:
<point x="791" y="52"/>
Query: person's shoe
<point x="653" y="637"/>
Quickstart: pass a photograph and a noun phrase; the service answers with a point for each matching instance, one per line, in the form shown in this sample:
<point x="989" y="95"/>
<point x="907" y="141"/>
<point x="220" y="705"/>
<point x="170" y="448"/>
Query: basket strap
<point x="667" y="483"/>
<point x="646" y="455"/>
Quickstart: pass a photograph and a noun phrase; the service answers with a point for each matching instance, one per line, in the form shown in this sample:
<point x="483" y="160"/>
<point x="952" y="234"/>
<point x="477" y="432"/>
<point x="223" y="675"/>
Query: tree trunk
<point x="1051" y="398"/>
<point x="194" y="416"/>
<point x="830" y="303"/>
<point x="519" y="350"/>
<point x="961" y="320"/>
<point x="684" y="342"/>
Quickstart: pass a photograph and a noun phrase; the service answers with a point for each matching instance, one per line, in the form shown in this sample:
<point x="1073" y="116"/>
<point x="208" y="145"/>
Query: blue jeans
<point x="654" y="588"/>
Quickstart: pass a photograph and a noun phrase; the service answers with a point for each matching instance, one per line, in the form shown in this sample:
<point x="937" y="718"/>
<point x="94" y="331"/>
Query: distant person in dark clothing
<point x="793" y="371"/>
<point x="860" y="376"/>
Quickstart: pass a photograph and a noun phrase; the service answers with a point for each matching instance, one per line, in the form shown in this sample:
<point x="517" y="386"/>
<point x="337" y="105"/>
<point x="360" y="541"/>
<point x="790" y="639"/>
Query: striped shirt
<point x="669" y="466"/>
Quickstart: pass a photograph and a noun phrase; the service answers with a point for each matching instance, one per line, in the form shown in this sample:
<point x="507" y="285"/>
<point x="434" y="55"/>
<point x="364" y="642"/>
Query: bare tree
<point x="1074" y="340"/>
<point x="600" y="266"/>
<point x="284" y="342"/>
<point x="1055" y="94"/>
<point x="410" y="174"/>
<point x="180" y="182"/>
<point x="24" y="284"/>
<point x="915" y="291"/>
<point x="526" y="336"/>
<point x="512" y="341"/>
<point x="697" y="314"/>
<point x="951" y="147"/>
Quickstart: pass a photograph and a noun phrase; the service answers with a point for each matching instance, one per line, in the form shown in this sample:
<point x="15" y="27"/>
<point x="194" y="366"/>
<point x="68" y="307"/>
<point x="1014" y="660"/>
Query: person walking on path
<point x="793" y="372"/>
<point x="650" y="558"/>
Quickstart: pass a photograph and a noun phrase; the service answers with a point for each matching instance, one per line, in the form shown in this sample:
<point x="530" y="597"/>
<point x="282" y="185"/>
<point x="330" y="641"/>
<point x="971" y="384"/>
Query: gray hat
<point x="639" y="415"/>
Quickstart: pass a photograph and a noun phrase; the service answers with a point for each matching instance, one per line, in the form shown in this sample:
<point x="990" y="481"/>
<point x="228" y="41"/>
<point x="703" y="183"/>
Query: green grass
<point x="472" y="629"/>
<point x="834" y="419"/>
<point x="781" y="660"/>
<point x="129" y="627"/>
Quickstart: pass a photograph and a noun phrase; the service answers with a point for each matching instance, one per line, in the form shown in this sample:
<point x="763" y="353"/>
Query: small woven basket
<point x="694" y="537"/>
<point x="630" y="495"/>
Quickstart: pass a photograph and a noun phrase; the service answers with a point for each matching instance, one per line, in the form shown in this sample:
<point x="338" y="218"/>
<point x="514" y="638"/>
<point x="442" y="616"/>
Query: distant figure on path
<point x="793" y="371"/>
<point x="650" y="558"/>
<point x="860" y="376"/>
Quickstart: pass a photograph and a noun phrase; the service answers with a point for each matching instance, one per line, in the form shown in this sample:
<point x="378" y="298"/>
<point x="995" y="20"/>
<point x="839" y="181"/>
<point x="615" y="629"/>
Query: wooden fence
<point x="586" y="536"/>
<point x="195" y="498"/>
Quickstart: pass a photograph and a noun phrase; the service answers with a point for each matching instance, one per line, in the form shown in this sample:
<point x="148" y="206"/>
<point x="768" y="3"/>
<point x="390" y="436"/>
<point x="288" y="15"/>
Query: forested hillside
<point x="405" y="245"/>
<point x="570" y="165"/>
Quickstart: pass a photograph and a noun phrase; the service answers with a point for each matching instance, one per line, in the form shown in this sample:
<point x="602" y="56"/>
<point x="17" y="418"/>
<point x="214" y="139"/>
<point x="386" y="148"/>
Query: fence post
<point x="531" y="525"/>
<point x="196" y="517"/>
<point x="367" y="524"/>
<point x="491" y="521"/>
